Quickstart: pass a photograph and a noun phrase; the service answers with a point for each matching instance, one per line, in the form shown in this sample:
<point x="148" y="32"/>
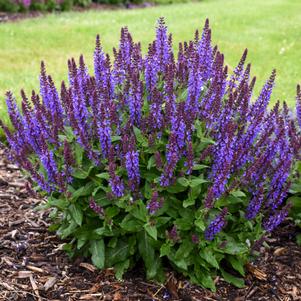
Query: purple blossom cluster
<point x="155" y="203"/>
<point x="164" y="95"/>
<point x="216" y="225"/>
<point x="95" y="207"/>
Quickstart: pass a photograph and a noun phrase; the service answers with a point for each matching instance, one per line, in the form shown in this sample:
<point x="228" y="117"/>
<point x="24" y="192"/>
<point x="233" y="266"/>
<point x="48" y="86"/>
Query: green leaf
<point x="237" y="264"/>
<point x="132" y="242"/>
<point x="151" y="162"/>
<point x="140" y="211"/>
<point x="184" y="223"/>
<point x="165" y="249"/>
<point x="184" y="249"/>
<point x="199" y="167"/>
<point x="200" y="224"/>
<point x="101" y="199"/>
<point x="80" y="174"/>
<point x="295" y="188"/>
<point x="86" y="190"/>
<point x="207" y="140"/>
<point x="299" y="239"/>
<point x="103" y="175"/>
<point x="76" y="213"/>
<point x="197" y="181"/>
<point x="180" y="263"/>
<point x="147" y="253"/>
<point x="148" y="175"/>
<point x="151" y="230"/>
<point x="188" y="202"/>
<point x="131" y="224"/>
<point x="111" y="212"/>
<point x="206" y="281"/>
<point x="78" y="154"/>
<point x="66" y="229"/>
<point x="117" y="254"/>
<point x="176" y="188"/>
<point x="209" y="257"/>
<point x="81" y="242"/>
<point x="296" y="202"/>
<point x="69" y="133"/>
<point x="140" y="138"/>
<point x="120" y="268"/>
<point x="147" y="190"/>
<point x="115" y="138"/>
<point x="100" y="231"/>
<point x="230" y="200"/>
<point x="183" y="181"/>
<point x="235" y="248"/>
<point x="58" y="203"/>
<point x="97" y="249"/>
<point x="238" y="282"/>
<point x="162" y="220"/>
<point x="113" y="242"/>
<point x="238" y="193"/>
<point x="183" y="94"/>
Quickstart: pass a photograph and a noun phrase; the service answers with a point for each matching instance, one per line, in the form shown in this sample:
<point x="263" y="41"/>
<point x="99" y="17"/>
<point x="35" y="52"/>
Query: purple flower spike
<point x="274" y="220"/>
<point x="132" y="166"/>
<point x="95" y="207"/>
<point x="255" y="204"/>
<point x="298" y="105"/>
<point x="154" y="204"/>
<point x="195" y="239"/>
<point x="162" y="44"/>
<point x="173" y="234"/>
<point x="216" y="225"/>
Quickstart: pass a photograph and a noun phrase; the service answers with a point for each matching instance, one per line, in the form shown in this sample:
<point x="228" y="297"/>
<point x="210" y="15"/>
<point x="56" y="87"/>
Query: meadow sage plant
<point x="162" y="157"/>
<point x="295" y="189"/>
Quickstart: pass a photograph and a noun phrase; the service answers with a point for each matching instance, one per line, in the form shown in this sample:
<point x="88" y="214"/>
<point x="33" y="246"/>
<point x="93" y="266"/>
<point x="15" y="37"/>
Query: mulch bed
<point x="34" y="267"/>
<point x="13" y="17"/>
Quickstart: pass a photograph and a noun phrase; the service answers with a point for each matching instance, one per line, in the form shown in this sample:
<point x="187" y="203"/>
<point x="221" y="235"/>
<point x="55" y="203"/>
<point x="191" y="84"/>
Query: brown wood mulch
<point x="34" y="267"/>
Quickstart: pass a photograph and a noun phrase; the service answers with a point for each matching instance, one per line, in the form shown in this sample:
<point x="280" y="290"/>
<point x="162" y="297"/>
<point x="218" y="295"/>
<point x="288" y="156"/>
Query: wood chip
<point x="7" y="286"/>
<point x="17" y="222"/>
<point x="88" y="266"/>
<point x="49" y="283"/>
<point x="171" y="285"/>
<point x="259" y="274"/>
<point x="13" y="233"/>
<point x="117" y="296"/>
<point x="34" y="287"/>
<point x="35" y="269"/>
<point x="7" y="261"/>
<point x="279" y="251"/>
<point x="24" y="274"/>
<point x="90" y="296"/>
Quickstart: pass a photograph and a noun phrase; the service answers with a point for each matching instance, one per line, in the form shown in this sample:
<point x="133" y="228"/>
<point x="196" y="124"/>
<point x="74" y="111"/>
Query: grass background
<point x="270" y="29"/>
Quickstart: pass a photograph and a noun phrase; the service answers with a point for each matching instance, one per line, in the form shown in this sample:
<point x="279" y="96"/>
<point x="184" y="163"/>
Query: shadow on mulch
<point x="34" y="267"/>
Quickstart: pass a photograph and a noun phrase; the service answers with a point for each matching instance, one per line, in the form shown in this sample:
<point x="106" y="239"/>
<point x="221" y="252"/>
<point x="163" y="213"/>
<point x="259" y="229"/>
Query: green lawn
<point x="270" y="29"/>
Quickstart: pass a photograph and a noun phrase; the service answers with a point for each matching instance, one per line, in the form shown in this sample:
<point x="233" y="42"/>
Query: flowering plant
<point x="158" y="158"/>
<point x="295" y="178"/>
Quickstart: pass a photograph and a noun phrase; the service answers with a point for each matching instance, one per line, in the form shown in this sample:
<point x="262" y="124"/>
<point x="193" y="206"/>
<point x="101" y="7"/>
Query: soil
<point x="13" y="17"/>
<point x="33" y="265"/>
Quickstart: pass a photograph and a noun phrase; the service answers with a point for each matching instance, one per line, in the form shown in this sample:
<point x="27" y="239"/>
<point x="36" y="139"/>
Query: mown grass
<point x="270" y="29"/>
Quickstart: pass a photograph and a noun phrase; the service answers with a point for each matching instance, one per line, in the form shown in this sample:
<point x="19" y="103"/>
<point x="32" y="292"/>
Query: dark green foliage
<point x="82" y="3"/>
<point x="66" y="5"/>
<point x="9" y="6"/>
<point x="127" y="232"/>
